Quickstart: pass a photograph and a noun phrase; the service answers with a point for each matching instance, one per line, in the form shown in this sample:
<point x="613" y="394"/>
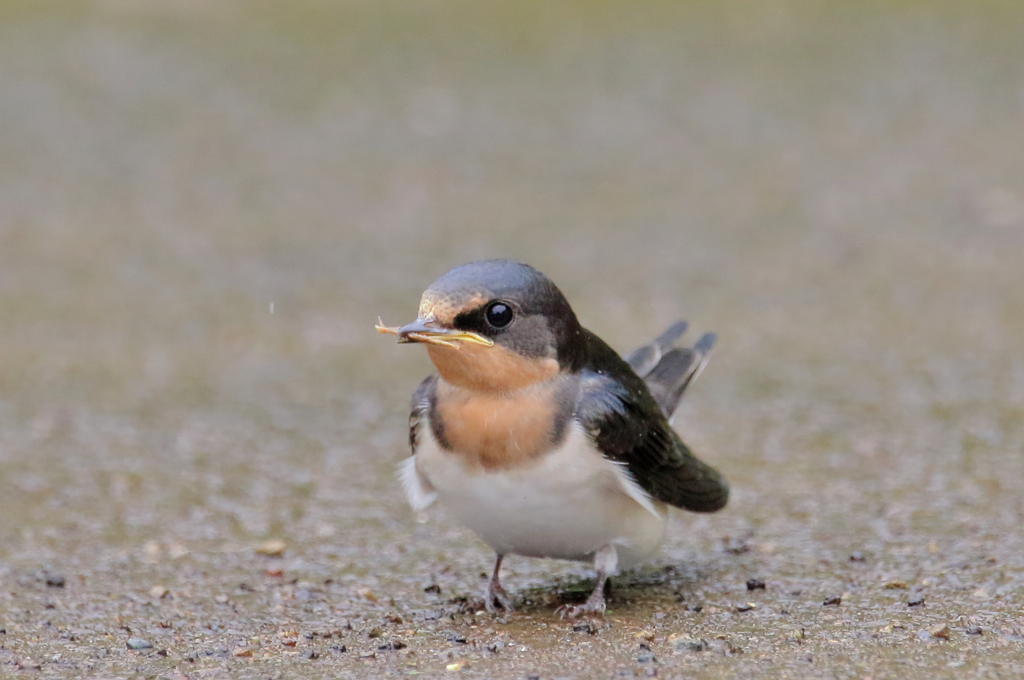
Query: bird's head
<point x="496" y="325"/>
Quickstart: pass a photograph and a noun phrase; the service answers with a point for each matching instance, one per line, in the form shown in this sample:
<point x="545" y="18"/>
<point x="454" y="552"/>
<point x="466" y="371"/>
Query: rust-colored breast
<point x="496" y="431"/>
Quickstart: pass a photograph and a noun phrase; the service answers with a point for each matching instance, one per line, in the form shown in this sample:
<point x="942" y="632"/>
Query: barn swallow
<point x="538" y="436"/>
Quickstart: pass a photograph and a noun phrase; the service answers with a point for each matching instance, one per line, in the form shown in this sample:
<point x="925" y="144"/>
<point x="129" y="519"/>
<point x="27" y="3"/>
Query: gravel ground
<point x="204" y="207"/>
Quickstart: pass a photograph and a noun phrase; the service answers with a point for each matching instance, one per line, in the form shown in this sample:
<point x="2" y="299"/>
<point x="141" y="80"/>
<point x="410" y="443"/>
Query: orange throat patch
<point x="490" y="369"/>
<point x="498" y="431"/>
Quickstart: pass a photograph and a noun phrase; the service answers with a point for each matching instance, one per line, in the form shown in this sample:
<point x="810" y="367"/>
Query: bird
<point x="541" y="438"/>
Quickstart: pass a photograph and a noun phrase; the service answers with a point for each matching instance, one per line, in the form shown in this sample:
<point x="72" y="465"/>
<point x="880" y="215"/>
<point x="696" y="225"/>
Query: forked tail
<point x="668" y="370"/>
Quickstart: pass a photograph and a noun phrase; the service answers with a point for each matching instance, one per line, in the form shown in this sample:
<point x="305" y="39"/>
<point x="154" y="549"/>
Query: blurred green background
<point x="205" y="205"/>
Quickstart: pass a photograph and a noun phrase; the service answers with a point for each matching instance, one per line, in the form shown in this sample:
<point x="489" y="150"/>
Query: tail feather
<point x="667" y="370"/>
<point x="644" y="359"/>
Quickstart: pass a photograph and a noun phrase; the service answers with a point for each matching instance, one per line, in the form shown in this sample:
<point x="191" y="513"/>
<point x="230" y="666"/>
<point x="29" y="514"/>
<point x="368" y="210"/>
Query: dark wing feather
<point x="617" y="410"/>
<point x="420" y="407"/>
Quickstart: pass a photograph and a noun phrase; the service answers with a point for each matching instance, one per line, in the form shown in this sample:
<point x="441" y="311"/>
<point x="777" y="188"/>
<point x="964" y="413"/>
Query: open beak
<point x="420" y="331"/>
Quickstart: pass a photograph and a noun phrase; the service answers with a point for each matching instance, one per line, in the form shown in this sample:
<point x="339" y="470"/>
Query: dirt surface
<point x="204" y="207"/>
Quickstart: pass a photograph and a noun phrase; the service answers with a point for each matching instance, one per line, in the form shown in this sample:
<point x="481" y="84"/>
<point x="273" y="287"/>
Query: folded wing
<point x="620" y="411"/>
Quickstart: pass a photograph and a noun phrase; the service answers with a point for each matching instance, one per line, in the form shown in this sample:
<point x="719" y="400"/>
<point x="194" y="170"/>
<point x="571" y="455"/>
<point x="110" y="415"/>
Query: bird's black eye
<point x="498" y="314"/>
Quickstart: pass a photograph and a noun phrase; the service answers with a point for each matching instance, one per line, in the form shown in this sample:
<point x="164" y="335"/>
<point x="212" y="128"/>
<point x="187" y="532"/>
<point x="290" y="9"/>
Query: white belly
<point x="567" y="504"/>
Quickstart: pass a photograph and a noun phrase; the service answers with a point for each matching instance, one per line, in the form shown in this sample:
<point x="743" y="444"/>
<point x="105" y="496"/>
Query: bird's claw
<point x="496" y="595"/>
<point x="574" y="611"/>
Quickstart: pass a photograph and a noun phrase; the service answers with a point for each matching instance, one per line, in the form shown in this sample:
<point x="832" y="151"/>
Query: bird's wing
<point x="418" y="490"/>
<point x="419" y="411"/>
<point x="617" y="410"/>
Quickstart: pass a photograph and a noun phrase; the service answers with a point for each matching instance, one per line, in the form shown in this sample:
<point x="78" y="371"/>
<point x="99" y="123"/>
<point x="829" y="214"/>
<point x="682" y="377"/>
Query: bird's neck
<point x="491" y="369"/>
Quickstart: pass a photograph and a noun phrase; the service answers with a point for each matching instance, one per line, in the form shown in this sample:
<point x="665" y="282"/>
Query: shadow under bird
<point x="538" y="436"/>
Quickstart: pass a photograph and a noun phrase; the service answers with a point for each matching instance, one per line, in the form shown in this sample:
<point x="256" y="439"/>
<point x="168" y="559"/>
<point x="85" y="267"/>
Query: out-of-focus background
<point x="204" y="206"/>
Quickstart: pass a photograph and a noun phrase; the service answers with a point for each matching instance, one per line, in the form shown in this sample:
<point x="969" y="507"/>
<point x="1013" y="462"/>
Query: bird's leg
<point x="606" y="561"/>
<point x="495" y="594"/>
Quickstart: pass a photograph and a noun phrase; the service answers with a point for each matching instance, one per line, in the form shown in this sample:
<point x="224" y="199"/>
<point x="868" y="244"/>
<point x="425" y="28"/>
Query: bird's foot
<point x="594" y="605"/>
<point x="495" y="597"/>
<point x="605" y="560"/>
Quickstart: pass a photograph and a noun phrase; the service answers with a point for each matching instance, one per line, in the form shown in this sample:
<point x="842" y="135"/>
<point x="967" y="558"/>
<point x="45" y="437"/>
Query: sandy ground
<point x="204" y="207"/>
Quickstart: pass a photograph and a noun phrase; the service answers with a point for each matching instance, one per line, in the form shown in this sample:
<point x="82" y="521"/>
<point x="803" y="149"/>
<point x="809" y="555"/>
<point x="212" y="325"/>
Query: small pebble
<point x="138" y="643"/>
<point x="755" y="584"/>
<point x="54" y="581"/>
<point x="735" y="546"/>
<point x="940" y="631"/>
<point x="272" y="548"/>
<point x="158" y="592"/>
<point x="311" y="654"/>
<point x="725" y="647"/>
<point x="856" y="556"/>
<point x="832" y="601"/>
<point x="916" y="602"/>
<point x="689" y="645"/>
<point x="173" y="675"/>
<point x="587" y="627"/>
<point x="242" y="652"/>
<point x="221" y="599"/>
<point x="645" y="658"/>
<point x="974" y="630"/>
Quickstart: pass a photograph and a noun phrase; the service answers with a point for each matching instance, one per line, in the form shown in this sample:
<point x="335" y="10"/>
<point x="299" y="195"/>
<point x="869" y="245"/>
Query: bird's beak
<point x="420" y="331"/>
